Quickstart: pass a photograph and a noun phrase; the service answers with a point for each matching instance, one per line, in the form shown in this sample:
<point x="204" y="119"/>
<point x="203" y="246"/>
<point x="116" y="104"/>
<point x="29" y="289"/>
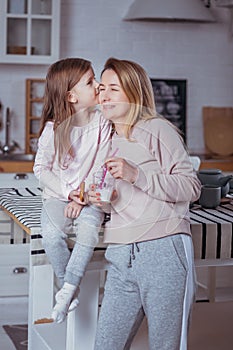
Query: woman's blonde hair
<point x="61" y="77"/>
<point x="137" y="87"/>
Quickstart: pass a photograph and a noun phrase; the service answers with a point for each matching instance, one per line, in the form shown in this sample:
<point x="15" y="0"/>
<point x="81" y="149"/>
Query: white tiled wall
<point x="94" y="29"/>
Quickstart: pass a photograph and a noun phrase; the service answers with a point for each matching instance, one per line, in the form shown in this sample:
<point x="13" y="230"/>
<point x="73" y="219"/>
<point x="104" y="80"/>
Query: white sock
<point x="74" y="303"/>
<point x="63" y="299"/>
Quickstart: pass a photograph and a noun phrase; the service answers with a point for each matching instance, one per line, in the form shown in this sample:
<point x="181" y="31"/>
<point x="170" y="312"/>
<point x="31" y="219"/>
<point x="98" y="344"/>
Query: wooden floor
<point x="211" y="327"/>
<point x="12" y="311"/>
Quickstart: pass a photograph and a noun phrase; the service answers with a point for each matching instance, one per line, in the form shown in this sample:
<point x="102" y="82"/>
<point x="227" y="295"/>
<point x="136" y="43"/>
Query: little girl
<point x="73" y="143"/>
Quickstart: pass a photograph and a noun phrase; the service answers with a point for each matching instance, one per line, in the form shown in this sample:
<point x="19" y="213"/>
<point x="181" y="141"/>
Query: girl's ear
<point x="72" y="97"/>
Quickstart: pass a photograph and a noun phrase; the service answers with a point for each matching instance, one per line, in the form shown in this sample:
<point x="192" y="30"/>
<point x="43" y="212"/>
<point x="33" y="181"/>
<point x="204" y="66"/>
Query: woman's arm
<point x="173" y="180"/>
<point x="176" y="180"/>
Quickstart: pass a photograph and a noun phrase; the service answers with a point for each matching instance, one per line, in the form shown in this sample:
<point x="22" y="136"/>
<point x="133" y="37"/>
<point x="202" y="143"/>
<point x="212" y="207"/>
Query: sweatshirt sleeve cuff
<point x="141" y="181"/>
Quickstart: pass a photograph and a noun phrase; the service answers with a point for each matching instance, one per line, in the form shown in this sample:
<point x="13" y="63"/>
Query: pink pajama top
<point x="91" y="144"/>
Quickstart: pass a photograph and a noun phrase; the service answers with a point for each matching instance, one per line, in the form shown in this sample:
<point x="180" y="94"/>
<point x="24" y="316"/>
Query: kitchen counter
<point x="11" y="232"/>
<point x="14" y="243"/>
<point x="216" y="162"/>
<point x="14" y="166"/>
<point x="211" y="228"/>
<point x="212" y="239"/>
<point x="24" y="206"/>
<point x="9" y="180"/>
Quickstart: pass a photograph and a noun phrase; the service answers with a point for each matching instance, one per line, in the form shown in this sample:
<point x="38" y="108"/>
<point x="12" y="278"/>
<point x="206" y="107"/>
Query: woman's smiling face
<point x="114" y="101"/>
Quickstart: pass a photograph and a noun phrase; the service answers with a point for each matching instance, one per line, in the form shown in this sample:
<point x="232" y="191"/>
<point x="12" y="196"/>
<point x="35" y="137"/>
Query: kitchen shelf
<point x="34" y="105"/>
<point x="224" y="164"/>
<point x="30" y="31"/>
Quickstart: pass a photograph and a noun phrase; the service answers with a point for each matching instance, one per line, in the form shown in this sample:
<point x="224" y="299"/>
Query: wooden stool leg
<point x="212" y="283"/>
<point x="40" y="298"/>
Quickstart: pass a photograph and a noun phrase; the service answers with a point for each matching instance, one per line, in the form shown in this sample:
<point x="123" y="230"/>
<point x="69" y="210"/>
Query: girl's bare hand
<point x="72" y="210"/>
<point x="121" y="169"/>
<point x="75" y="196"/>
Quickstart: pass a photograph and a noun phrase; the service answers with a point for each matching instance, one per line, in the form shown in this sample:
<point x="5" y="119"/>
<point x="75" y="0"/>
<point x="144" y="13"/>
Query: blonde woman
<point x="150" y="252"/>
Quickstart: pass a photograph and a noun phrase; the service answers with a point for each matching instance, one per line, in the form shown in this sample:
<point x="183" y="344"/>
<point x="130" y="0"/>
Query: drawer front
<point x="4" y="216"/>
<point x="5" y="227"/>
<point x="12" y="283"/>
<point x="14" y="269"/>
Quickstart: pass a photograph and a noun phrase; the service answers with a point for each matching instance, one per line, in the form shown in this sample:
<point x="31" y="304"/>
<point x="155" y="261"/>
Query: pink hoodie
<point x="91" y="143"/>
<point x="157" y="204"/>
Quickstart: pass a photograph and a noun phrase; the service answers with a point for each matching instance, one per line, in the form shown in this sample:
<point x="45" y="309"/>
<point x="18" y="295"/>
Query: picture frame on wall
<point x="170" y="101"/>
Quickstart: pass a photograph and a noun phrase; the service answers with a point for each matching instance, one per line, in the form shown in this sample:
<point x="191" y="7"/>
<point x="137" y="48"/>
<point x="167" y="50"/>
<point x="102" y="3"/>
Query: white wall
<point x="94" y="29"/>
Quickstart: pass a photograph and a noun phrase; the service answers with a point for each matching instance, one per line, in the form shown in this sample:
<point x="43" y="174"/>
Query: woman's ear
<point x="72" y="97"/>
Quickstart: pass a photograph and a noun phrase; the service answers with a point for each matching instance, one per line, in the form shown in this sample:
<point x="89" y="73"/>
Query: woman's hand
<point x="72" y="210"/>
<point x="94" y="197"/>
<point x="121" y="169"/>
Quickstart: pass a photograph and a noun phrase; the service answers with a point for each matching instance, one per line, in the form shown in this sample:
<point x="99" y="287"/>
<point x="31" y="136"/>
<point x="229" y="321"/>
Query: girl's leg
<point x="121" y="311"/>
<point x="87" y="231"/>
<point x="87" y="227"/>
<point x="54" y="234"/>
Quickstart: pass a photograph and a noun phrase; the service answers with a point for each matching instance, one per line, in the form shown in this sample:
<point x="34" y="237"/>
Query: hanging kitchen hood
<point x="169" y="10"/>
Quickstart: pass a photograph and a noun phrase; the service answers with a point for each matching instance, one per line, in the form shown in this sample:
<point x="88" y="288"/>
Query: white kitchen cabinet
<point x="14" y="269"/>
<point x="30" y="31"/>
<point x="14" y="258"/>
<point x="14" y="245"/>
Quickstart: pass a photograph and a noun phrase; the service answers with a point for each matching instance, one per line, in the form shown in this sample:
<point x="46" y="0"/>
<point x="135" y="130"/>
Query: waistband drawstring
<point x="132" y="255"/>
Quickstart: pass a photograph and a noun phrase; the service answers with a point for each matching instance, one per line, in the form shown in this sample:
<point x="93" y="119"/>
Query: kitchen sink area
<point x="17" y="157"/>
<point x="16" y="163"/>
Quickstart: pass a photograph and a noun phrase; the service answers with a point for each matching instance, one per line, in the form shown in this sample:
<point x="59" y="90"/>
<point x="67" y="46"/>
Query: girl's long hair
<point x="61" y="77"/>
<point x="137" y="87"/>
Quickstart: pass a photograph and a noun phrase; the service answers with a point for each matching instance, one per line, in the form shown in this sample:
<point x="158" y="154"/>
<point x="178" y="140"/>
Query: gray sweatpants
<point x="69" y="266"/>
<point x="154" y="278"/>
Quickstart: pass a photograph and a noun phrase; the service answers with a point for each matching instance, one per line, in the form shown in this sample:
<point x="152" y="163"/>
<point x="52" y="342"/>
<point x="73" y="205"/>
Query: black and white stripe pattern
<point x="212" y="232"/>
<point x="24" y="203"/>
<point x="212" y="229"/>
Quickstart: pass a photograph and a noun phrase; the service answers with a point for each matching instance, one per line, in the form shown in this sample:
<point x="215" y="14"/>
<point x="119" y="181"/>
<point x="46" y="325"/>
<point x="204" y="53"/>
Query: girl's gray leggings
<point x="69" y="266"/>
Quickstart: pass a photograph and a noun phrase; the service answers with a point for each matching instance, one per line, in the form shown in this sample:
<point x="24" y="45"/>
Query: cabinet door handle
<point x="20" y="270"/>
